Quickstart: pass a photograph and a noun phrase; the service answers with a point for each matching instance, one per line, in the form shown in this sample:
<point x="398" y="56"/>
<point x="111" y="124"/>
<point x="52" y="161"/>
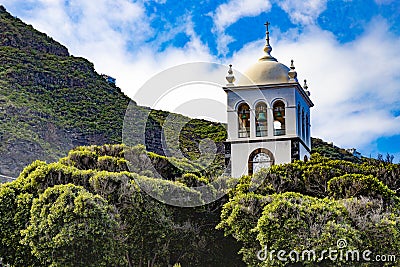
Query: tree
<point x="71" y="227"/>
<point x="15" y="206"/>
<point x="14" y="211"/>
<point x="239" y="218"/>
<point x="294" y="222"/>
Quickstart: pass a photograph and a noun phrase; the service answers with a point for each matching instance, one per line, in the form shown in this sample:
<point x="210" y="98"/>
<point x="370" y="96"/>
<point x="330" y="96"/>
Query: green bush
<point x="72" y="227"/>
<point x="355" y="185"/>
<point x="292" y="221"/>
<point x="192" y="180"/>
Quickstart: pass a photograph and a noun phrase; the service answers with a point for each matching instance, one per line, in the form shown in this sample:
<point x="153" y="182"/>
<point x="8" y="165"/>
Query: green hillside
<point x="331" y="151"/>
<point x="51" y="102"/>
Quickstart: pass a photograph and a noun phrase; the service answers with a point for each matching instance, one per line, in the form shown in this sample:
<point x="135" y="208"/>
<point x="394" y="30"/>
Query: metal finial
<point x="267" y="47"/>
<point x="292" y="65"/>
<point x="292" y="73"/>
<point x="306" y="88"/>
<point x="230" y="77"/>
<point x="267" y="32"/>
<point x="267" y="25"/>
<point x="305" y="85"/>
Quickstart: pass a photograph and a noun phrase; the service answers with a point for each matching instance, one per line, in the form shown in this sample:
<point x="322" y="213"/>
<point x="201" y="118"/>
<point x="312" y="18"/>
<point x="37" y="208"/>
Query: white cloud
<point x="300" y="12"/>
<point x="228" y="13"/>
<point x="303" y="12"/>
<point x="134" y="72"/>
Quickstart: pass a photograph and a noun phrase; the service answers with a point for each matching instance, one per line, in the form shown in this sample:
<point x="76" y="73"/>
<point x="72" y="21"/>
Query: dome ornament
<point x="230" y="77"/>
<point x="292" y="73"/>
<point x="267" y="47"/>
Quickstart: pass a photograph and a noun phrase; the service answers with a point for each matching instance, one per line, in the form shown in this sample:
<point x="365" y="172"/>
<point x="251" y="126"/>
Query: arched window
<point x="261" y="120"/>
<point x="259" y="159"/>
<point x="279" y="118"/>
<point x="244" y="120"/>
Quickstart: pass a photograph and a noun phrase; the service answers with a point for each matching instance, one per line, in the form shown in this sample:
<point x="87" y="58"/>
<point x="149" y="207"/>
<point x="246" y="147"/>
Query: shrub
<point x="72" y="227"/>
<point x="356" y="185"/>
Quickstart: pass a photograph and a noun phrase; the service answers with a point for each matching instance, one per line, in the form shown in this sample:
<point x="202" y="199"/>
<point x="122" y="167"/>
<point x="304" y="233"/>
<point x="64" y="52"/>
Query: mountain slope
<point x="51" y="102"/>
<point x="331" y="151"/>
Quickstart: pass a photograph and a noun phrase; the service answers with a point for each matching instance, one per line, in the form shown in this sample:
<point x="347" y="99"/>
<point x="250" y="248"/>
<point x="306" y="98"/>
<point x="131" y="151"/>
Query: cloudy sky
<point x="348" y="50"/>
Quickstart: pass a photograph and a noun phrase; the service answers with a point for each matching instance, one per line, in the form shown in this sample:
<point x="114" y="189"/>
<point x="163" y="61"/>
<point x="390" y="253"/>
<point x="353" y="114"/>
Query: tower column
<point x="270" y="122"/>
<point x="252" y="123"/>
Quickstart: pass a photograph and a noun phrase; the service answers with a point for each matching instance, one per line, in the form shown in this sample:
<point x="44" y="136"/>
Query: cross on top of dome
<point x="267" y="47"/>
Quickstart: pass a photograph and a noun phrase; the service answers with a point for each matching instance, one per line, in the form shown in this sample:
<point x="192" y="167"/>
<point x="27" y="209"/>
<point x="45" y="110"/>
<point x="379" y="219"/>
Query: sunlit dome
<point x="267" y="70"/>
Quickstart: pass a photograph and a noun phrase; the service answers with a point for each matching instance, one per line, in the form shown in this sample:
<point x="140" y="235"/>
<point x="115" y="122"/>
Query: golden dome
<point x="266" y="72"/>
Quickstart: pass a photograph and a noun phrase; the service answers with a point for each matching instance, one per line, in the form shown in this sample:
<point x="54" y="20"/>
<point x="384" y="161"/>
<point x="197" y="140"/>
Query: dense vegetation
<point x="51" y="102"/>
<point x="310" y="206"/>
<point x="90" y="209"/>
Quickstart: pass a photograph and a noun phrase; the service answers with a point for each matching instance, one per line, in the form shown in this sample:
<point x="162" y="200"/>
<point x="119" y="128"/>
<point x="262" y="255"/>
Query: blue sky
<point x="347" y="49"/>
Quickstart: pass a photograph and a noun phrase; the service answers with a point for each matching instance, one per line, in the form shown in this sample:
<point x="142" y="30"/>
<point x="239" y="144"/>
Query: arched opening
<point x="261" y="120"/>
<point x="259" y="159"/>
<point x="244" y="121"/>
<point x="279" y="118"/>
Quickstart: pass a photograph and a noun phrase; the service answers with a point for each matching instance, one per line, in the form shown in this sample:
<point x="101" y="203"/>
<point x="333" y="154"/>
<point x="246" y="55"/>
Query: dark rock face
<point x="14" y="33"/>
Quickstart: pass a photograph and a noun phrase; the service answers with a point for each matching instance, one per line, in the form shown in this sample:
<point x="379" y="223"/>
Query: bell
<point x="279" y="114"/>
<point x="244" y="116"/>
<point x="261" y="117"/>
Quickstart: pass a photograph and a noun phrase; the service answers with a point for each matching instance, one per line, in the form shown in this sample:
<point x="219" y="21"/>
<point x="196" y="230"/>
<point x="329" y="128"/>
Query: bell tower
<point x="268" y="116"/>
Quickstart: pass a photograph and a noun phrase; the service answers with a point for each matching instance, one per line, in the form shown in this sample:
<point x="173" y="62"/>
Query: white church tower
<point x="268" y="116"/>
